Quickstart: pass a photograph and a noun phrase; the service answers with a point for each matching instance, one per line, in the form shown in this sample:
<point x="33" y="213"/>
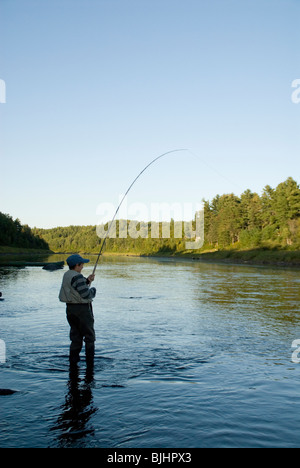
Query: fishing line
<point x="213" y="169"/>
<point x="128" y="190"/>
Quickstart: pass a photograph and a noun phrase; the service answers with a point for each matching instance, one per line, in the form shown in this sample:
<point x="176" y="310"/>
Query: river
<point x="188" y="354"/>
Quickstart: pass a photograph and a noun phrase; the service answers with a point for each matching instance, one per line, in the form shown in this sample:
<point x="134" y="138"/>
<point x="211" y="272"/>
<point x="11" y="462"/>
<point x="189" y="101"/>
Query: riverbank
<point x="282" y="258"/>
<point x="275" y="257"/>
<point x="287" y="258"/>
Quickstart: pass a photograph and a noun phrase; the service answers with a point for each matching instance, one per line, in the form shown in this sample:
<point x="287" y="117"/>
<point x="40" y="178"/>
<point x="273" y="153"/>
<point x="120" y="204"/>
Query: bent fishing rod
<point x="128" y="190"/>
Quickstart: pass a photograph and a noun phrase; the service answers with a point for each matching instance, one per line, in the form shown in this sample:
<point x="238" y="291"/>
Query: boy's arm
<point x="80" y="284"/>
<point x="90" y="279"/>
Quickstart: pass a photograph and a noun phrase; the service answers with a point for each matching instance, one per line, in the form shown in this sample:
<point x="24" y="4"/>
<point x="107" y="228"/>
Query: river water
<point x="188" y="355"/>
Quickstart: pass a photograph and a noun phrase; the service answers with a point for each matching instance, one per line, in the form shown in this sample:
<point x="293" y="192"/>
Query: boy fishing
<point x="78" y="295"/>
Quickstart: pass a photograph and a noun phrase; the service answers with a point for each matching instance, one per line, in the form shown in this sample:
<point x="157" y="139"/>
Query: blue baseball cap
<point x="75" y="260"/>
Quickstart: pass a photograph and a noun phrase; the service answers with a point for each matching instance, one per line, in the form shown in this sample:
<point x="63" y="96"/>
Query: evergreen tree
<point x="251" y="210"/>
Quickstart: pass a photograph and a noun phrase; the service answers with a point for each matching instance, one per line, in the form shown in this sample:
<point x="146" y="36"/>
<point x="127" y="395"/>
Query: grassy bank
<point x="251" y="256"/>
<point x="264" y="256"/>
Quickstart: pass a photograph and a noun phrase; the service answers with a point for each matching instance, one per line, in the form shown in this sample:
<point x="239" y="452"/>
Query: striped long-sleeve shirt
<point x="80" y="284"/>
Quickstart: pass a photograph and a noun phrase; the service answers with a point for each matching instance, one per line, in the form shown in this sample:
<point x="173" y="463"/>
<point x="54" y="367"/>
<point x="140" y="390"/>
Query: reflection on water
<point x="74" y="420"/>
<point x="187" y="355"/>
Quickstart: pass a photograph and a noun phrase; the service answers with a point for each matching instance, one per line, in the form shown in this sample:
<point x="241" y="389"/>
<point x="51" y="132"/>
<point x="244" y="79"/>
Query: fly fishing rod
<point x="128" y="190"/>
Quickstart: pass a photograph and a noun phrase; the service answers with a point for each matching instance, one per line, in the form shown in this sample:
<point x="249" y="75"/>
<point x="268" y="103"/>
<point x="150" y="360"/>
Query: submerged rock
<point x="7" y="391"/>
<point x="53" y="266"/>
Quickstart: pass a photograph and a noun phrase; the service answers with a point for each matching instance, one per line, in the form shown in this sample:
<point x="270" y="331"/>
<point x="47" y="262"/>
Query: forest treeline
<point x="251" y="221"/>
<point x="14" y="234"/>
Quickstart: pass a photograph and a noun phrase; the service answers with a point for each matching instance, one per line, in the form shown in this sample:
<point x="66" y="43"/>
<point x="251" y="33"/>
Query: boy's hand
<point x="91" y="278"/>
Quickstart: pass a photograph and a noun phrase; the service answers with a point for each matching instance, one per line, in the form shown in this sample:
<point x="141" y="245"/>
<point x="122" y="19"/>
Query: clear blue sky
<point x="95" y="89"/>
